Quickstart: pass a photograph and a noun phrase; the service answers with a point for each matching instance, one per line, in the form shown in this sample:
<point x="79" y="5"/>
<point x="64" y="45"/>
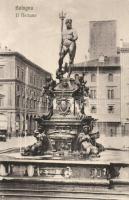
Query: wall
<point x="106" y="120"/>
<point x="102" y="38"/>
<point x="16" y="83"/>
<point x="125" y="90"/>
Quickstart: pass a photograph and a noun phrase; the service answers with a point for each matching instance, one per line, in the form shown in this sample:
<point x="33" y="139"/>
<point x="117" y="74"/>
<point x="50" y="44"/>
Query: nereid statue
<point x="85" y="141"/>
<point x="40" y="147"/>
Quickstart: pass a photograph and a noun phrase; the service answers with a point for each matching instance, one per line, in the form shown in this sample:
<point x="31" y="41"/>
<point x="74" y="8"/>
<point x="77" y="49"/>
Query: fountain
<point x="65" y="160"/>
<point x="66" y="129"/>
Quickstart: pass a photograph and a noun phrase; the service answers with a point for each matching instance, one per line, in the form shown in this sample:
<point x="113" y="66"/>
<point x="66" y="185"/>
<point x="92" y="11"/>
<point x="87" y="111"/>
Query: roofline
<point x="96" y="65"/>
<point x="114" y="20"/>
<point x="84" y="68"/>
<point x="15" y="53"/>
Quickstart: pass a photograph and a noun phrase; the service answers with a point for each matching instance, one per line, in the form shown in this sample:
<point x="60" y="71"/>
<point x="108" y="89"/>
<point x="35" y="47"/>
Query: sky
<point x="38" y="38"/>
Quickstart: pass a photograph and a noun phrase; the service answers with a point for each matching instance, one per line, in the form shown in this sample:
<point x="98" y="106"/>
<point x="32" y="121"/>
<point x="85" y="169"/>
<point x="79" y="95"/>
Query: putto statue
<point x="68" y="46"/>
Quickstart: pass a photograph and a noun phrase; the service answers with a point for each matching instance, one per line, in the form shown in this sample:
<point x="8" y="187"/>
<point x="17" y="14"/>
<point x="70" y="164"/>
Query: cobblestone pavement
<point x="16" y="142"/>
<point x="116" y="142"/>
<point x="114" y="156"/>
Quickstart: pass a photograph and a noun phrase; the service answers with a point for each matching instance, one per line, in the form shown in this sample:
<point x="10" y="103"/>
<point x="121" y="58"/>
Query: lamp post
<point x="25" y="107"/>
<point x="10" y="133"/>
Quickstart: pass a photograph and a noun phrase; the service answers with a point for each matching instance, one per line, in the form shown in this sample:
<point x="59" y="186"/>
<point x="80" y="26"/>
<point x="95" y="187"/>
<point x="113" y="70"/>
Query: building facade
<point x="124" y="61"/>
<point x="104" y="82"/>
<point x="21" y="83"/>
<point x="107" y="73"/>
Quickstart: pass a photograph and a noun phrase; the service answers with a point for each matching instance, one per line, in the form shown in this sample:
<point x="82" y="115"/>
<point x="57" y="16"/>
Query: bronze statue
<point x="68" y="45"/>
<point x="48" y="91"/>
<point x="85" y="141"/>
<point x="42" y="145"/>
<point x="52" y="135"/>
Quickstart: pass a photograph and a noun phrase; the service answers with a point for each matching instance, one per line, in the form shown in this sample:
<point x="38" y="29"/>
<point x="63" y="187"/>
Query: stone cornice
<point x="124" y="50"/>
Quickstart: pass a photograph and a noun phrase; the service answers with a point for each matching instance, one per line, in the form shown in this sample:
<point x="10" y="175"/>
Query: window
<point x="18" y="87"/>
<point x="22" y="102"/>
<point x="1" y="87"/>
<point x="37" y="81"/>
<point x="18" y="72"/>
<point x="93" y="77"/>
<point x="110" y="77"/>
<point x="110" y="93"/>
<point x="1" y="72"/>
<point x="34" y="79"/>
<point x="44" y="104"/>
<point x="31" y="103"/>
<point x="76" y="76"/>
<point x="23" y="92"/>
<point x="43" y="82"/>
<point x="34" y="104"/>
<point x="18" y="101"/>
<point x="31" y="77"/>
<point x="93" y="109"/>
<point x="1" y="102"/>
<point x="110" y="109"/>
<point x="27" y="103"/>
<point x="22" y="76"/>
<point x="40" y="82"/>
<point x="93" y="94"/>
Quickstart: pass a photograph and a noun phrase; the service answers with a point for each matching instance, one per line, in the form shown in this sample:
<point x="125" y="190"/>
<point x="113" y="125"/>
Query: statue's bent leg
<point x="60" y="62"/>
<point x="100" y="147"/>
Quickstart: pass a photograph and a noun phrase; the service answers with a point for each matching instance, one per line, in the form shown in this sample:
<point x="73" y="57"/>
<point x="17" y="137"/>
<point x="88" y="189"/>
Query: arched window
<point x="110" y="77"/>
<point x="76" y="76"/>
<point x="93" y="77"/>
